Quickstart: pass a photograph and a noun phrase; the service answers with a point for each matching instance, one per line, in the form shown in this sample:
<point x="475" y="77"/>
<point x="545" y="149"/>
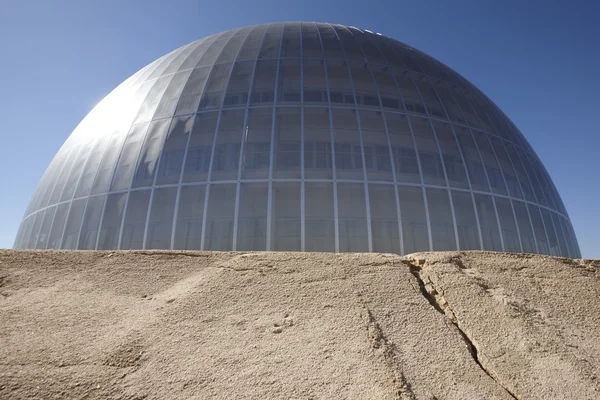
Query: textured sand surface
<point x="207" y="325"/>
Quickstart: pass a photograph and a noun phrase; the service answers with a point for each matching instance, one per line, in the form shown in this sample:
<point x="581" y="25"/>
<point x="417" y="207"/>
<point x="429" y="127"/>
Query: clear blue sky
<point x="538" y="60"/>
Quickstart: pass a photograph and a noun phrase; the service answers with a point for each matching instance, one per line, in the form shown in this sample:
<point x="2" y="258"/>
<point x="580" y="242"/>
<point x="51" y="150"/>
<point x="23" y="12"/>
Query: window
<point x="384" y="219"/>
<point x="252" y="223"/>
<point x="285" y="230"/>
<point x="319" y="217"/>
<point x="414" y="222"/>
<point x="352" y="217"/>
<point x="188" y="232"/>
<point x="160" y="225"/>
<point x="466" y="224"/>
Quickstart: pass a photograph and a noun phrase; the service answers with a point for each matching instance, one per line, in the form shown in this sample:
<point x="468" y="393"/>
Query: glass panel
<point x="507" y="225"/>
<point x="58" y="226"/>
<point x="91" y="166"/>
<point x="209" y="57"/>
<point x="290" y="46"/>
<point x="451" y="155"/>
<point x="466" y="224"/>
<point x="414" y="222"/>
<point x="440" y="218"/>
<point x="377" y="151"/>
<point x="537" y="188"/>
<point x="366" y="93"/>
<point x="91" y="222"/>
<point x="351" y="48"/>
<point x="507" y="169"/>
<point x="35" y="230"/>
<point x="239" y="84"/>
<point x="488" y="223"/>
<point x="403" y="148"/>
<point x="196" y="55"/>
<point x="384" y="220"/>
<point x="552" y="239"/>
<point x="173" y="150"/>
<point x="331" y="45"/>
<point x="148" y="158"/>
<point x="348" y="152"/>
<point x="231" y="49"/>
<point x="430" y="98"/>
<point x="491" y="165"/>
<point x="311" y="45"/>
<point x="319" y="217"/>
<point x="317" y="144"/>
<point x="160" y="224"/>
<point x="227" y="148"/>
<point x="135" y="220"/>
<point x="212" y="97"/>
<point x="449" y="103"/>
<point x="366" y="42"/>
<point x="568" y="239"/>
<point x="252" y="222"/>
<point x="271" y="42"/>
<point x="188" y="232"/>
<point x="521" y="174"/>
<point x="410" y="94"/>
<point x="111" y="222"/>
<point x="257" y="143"/>
<point x="151" y="101"/>
<point x="250" y="47"/>
<point x="561" y="237"/>
<point x="431" y="162"/>
<point x="289" y="85"/>
<point x="73" y="225"/>
<point x="42" y="240"/>
<point x="340" y="86"/>
<point x="184" y="55"/>
<point x="527" y="239"/>
<point x="219" y="218"/>
<point x="473" y="160"/>
<point x="190" y="96"/>
<point x="352" y="217"/>
<point x="465" y="107"/>
<point x="285" y="230"/>
<point x="197" y="161"/>
<point x="50" y="181"/>
<point x="75" y="173"/>
<point x="288" y="139"/>
<point x="538" y="227"/>
<point x="168" y="102"/>
<point x="129" y="154"/>
<point x="63" y="175"/>
<point x="386" y="87"/>
<point x="263" y="92"/>
<point x="315" y="87"/>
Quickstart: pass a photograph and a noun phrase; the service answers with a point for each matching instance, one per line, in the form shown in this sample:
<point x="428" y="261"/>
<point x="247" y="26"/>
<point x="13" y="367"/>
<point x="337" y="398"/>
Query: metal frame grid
<point x="79" y="147"/>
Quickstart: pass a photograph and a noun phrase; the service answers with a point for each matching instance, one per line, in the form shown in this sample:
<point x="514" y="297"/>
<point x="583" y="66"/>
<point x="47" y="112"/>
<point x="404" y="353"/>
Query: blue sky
<point x="537" y="60"/>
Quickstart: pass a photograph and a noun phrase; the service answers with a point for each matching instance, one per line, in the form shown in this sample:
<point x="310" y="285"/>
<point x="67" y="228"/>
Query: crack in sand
<point x="388" y="352"/>
<point x="439" y="303"/>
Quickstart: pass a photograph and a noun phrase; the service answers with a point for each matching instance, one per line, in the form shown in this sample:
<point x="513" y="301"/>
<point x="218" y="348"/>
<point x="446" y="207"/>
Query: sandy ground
<point x="208" y="325"/>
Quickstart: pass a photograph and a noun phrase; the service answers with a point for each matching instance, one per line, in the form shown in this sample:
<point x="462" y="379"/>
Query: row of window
<point x="126" y="220"/>
<point x="165" y="151"/>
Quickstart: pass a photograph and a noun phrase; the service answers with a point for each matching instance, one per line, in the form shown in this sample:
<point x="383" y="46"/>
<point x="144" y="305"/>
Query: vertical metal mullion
<point x="362" y="146"/>
<point x="185" y="152"/>
<point x="463" y="159"/>
<point x="412" y="133"/>
<point x="130" y="183"/>
<point x="302" y="166"/>
<point x="272" y="147"/>
<point x="243" y="139"/>
<point x="391" y="155"/>
<point x="332" y="139"/>
<point x="442" y="160"/>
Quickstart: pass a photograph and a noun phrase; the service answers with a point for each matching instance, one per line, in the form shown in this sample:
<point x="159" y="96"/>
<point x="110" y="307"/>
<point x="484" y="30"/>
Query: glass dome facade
<point x="301" y="137"/>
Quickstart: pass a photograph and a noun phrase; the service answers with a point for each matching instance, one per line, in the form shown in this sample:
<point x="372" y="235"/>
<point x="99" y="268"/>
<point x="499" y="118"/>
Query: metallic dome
<point x="297" y="136"/>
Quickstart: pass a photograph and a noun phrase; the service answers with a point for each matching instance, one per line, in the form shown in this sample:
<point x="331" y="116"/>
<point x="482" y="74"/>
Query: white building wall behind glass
<point x="299" y="137"/>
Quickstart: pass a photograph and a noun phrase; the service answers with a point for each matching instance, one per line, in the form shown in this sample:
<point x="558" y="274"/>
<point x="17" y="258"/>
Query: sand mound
<point x="204" y="325"/>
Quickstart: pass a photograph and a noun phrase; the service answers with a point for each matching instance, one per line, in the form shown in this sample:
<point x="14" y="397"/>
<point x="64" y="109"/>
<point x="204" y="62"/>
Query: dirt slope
<point x="202" y="325"/>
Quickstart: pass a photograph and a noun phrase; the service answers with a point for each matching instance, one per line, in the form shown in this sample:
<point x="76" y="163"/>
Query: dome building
<point x="301" y="137"/>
